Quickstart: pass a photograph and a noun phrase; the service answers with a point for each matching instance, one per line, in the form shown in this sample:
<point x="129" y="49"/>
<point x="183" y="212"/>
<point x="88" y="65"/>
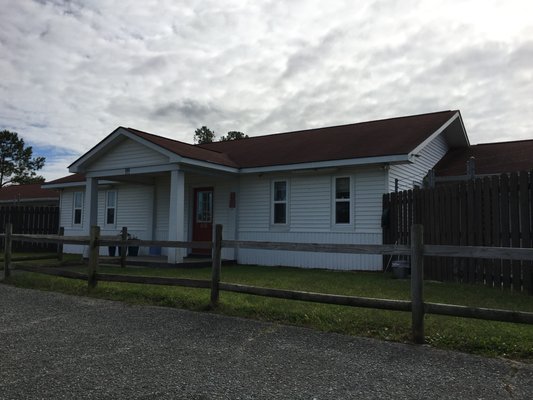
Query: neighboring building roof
<point x="490" y="158"/>
<point x="384" y="137"/>
<point x="27" y="193"/>
<point x="68" y="179"/>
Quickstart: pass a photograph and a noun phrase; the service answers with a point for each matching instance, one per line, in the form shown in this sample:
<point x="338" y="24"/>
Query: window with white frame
<point x="111" y="207"/>
<point x="279" y="202"/>
<point x="78" y="208"/>
<point x="342" y="200"/>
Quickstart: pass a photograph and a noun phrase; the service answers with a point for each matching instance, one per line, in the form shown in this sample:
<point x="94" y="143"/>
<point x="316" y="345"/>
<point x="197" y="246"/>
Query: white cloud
<point x="72" y="71"/>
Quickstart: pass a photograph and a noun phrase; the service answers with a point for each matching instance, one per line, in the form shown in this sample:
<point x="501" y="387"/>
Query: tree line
<point x="205" y="135"/>
<point x="17" y="164"/>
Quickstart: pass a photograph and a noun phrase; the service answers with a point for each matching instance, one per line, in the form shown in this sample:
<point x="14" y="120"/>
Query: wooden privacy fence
<point x="493" y="211"/>
<point x="38" y="220"/>
<point x="417" y="251"/>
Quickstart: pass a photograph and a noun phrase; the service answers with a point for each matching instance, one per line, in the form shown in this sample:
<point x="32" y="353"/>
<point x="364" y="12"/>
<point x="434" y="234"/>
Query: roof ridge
<point x="502" y="142"/>
<point x="339" y="126"/>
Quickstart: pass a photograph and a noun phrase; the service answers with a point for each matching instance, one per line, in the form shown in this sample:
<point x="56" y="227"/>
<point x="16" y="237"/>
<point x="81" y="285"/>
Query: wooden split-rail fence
<point x="417" y="251"/>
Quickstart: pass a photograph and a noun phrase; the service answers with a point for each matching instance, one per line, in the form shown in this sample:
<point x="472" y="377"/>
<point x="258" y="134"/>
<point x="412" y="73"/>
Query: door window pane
<point x="204" y="207"/>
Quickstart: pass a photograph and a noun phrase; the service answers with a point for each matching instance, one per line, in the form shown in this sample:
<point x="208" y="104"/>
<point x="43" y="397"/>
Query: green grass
<point x="474" y="336"/>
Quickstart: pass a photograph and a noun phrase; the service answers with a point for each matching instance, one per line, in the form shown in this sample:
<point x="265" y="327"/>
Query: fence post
<point x="123" y="246"/>
<point x="94" y="251"/>
<point x="417" y="282"/>
<point x="217" y="260"/>
<point x="7" y="248"/>
<point x="61" y="233"/>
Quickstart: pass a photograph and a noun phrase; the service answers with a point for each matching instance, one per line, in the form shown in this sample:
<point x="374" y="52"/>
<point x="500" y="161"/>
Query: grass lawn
<point x="468" y="335"/>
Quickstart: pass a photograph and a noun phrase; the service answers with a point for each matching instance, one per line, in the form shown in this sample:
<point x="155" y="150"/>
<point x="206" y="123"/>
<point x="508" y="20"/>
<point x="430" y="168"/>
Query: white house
<point x="319" y="185"/>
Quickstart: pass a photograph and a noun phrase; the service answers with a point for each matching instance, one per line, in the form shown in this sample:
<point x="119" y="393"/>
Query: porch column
<point x="176" y="214"/>
<point x="90" y="208"/>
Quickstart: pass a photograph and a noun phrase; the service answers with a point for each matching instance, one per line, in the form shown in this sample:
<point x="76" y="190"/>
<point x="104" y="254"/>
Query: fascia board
<point x="73" y="184"/>
<point x="328" y="164"/>
<point x="210" y="165"/>
<point x="160" y="168"/>
<point x="63" y="185"/>
<point x="418" y="148"/>
<point x="132" y="171"/>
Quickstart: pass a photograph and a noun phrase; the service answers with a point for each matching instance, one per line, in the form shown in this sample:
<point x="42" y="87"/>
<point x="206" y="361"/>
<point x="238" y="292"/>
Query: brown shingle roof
<point x="26" y="192"/>
<point x="185" y="149"/>
<point x="367" y="139"/>
<point x="490" y="158"/>
<point x="386" y="137"/>
<point x="68" y="179"/>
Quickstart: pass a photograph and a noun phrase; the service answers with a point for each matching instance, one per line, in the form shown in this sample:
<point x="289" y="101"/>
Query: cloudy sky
<point x="72" y="71"/>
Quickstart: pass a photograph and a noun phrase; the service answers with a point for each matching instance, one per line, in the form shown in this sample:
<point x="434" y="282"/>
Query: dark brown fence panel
<point x="515" y="228"/>
<point x="493" y="211"/>
<point x="496" y="229"/>
<point x="34" y="220"/>
<point x="525" y="228"/>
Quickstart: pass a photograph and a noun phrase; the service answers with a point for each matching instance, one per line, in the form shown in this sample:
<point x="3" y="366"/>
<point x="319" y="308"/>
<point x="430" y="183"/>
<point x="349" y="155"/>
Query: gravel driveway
<point x="59" y="346"/>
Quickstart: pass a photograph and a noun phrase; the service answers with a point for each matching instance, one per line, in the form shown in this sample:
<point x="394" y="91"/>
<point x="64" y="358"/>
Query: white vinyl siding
<point x="135" y="205"/>
<point x="417" y="170"/>
<point x="311" y="218"/>
<point x="369" y="188"/>
<point x="127" y="154"/>
<point x="310" y="213"/>
<point x="254" y="208"/>
<point x="361" y="262"/>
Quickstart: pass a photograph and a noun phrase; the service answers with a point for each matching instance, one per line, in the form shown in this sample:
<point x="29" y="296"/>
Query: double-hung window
<point x="78" y="208"/>
<point x="279" y="202"/>
<point x="111" y="208"/>
<point x="342" y="200"/>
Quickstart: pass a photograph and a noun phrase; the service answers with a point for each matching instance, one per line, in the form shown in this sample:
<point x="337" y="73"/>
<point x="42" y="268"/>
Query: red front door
<point x="202" y="229"/>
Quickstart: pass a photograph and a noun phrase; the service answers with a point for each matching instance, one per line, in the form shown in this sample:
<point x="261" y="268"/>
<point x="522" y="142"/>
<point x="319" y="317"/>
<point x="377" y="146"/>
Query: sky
<point x="73" y="71"/>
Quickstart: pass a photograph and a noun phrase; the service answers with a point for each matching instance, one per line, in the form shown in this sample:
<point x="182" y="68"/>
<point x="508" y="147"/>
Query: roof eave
<point x="399" y="158"/>
<point x="458" y="139"/>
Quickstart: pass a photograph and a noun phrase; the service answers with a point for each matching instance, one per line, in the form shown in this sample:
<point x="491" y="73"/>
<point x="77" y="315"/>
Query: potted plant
<point x="113" y="249"/>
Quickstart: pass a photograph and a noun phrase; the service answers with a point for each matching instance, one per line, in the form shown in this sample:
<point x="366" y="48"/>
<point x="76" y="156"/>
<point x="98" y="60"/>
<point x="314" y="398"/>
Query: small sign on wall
<point x="232" y="200"/>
